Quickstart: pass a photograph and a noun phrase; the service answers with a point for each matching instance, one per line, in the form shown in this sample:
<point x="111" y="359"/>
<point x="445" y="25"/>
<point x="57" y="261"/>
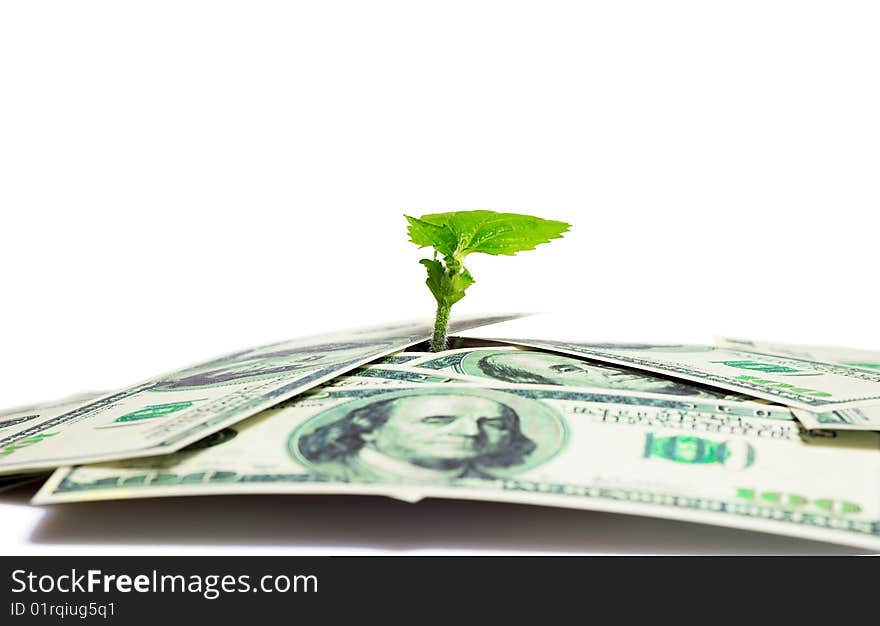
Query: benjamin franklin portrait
<point x="430" y="436"/>
<point x="546" y="368"/>
<point x="269" y="361"/>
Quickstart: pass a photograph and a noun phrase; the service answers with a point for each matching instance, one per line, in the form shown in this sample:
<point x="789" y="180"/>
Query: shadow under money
<point x="356" y="523"/>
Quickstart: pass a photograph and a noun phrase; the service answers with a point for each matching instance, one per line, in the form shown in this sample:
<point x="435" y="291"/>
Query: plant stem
<point x="438" y="340"/>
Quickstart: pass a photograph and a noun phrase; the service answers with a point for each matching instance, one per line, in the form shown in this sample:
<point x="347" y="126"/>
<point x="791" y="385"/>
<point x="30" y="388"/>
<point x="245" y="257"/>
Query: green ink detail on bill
<point x="757" y="366"/>
<point x="745" y="493"/>
<point x="153" y="410"/>
<point x="786" y="386"/>
<point x="697" y="451"/>
<point x="833" y="506"/>
<point x="24" y="443"/>
<point x="863" y="364"/>
<point x="788" y="499"/>
<point x="829" y="505"/>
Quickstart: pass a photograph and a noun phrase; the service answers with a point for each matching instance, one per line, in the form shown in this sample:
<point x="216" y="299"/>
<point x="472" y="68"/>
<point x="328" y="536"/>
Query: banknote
<point x="399" y="358"/>
<point x="862" y="418"/>
<point x="518" y="365"/>
<point x="374" y="375"/>
<point x="854" y="357"/>
<point x="711" y="461"/>
<point x="172" y="411"/>
<point x="13" y="421"/>
<point x="815" y="386"/>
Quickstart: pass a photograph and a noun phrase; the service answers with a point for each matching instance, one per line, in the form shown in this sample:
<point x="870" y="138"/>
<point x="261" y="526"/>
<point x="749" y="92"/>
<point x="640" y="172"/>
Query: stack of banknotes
<point x="769" y="437"/>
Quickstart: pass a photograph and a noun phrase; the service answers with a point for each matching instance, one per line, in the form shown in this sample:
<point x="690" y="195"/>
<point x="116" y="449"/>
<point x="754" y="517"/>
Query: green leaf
<point x="424" y="234"/>
<point x="448" y="288"/>
<point x="485" y="231"/>
<point x="459" y="283"/>
<point x="435" y="278"/>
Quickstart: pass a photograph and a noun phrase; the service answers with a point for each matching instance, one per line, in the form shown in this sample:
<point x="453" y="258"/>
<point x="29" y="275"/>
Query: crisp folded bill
<point x="864" y="418"/>
<point x="730" y="463"/>
<point x="25" y="419"/>
<point x="373" y="375"/>
<point x="169" y="412"/>
<point x="860" y="418"/>
<point x="807" y="384"/>
<point x="853" y="357"/>
<point x="400" y="358"/>
<point x="515" y="365"/>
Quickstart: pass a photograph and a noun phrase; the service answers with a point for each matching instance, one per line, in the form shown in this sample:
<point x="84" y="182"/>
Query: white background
<point x="180" y="179"/>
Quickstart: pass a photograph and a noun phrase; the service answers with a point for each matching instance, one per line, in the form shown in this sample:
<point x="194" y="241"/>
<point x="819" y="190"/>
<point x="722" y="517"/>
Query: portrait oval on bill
<point x="548" y="368"/>
<point x="434" y="436"/>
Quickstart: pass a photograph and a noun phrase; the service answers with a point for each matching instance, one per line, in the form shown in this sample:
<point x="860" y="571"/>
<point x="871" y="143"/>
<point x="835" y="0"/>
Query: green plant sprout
<point x="456" y="235"/>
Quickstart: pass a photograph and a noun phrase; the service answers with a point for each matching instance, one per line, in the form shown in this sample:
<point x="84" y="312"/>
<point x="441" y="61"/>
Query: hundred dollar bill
<point x="21" y="419"/>
<point x="711" y="461"/>
<point x="853" y="357"/>
<point x="815" y="386"/>
<point x="862" y="418"/>
<point x="392" y="375"/>
<point x="169" y="412"/>
<point x="400" y="358"/>
<point x="367" y="376"/>
<point x="518" y="365"/>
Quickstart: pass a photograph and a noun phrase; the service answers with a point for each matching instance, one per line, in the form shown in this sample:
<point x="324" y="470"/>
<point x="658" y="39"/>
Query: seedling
<point x="456" y="235"/>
